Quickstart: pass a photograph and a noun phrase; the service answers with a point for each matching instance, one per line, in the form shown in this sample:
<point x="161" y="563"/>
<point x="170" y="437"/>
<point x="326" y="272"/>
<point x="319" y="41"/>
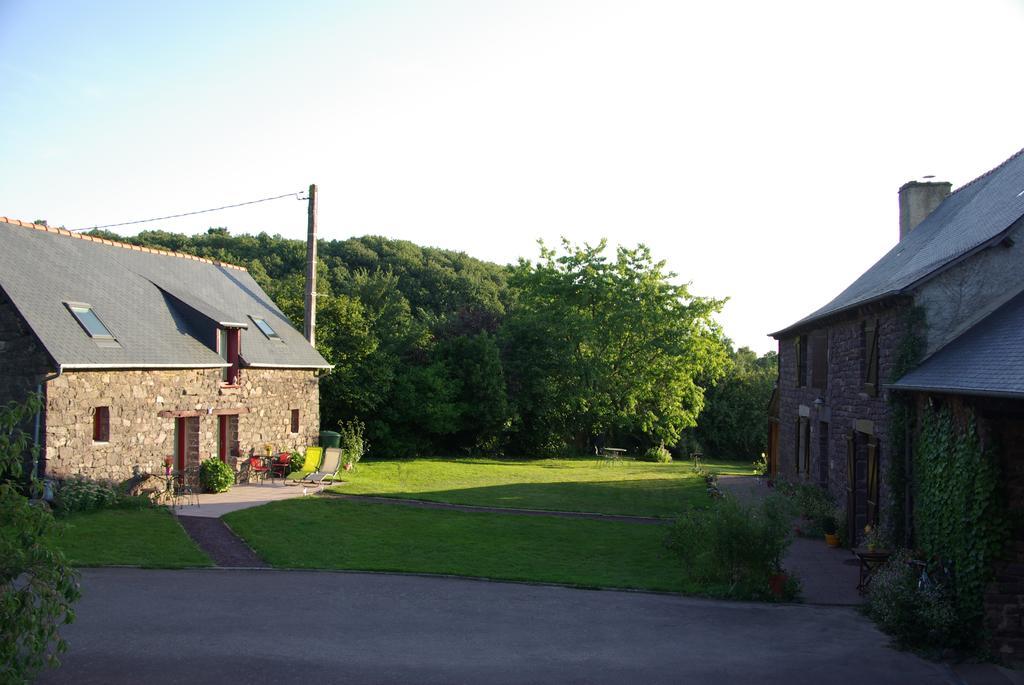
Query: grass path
<point x="630" y="488"/>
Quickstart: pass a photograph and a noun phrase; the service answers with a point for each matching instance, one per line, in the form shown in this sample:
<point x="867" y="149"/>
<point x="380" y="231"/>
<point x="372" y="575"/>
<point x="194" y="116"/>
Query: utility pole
<point x="309" y="318"/>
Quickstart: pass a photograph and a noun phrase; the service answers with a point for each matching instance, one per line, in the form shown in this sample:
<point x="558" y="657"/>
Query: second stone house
<point x="143" y="354"/>
<point x="959" y="258"/>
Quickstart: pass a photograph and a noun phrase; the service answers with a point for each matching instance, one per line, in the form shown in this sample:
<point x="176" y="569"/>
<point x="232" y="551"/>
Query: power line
<point x="200" y="211"/>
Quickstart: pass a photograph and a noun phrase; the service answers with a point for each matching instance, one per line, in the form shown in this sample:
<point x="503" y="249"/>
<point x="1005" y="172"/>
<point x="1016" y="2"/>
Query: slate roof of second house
<point x="973" y="216"/>
<point x="150" y="301"/>
<point x="986" y="360"/>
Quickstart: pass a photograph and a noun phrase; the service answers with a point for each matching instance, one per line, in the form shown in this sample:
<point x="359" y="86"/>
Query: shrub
<point x="659" y="454"/>
<point x="919" y="616"/>
<point x="37" y="586"/>
<point x="761" y="465"/>
<point x="295" y="462"/>
<point x="215" y="475"/>
<point x="353" y="445"/>
<point x="733" y="546"/>
<point x="78" y="494"/>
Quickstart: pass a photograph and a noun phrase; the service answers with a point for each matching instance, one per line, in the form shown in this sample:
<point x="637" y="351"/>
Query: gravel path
<point x="220" y="543"/>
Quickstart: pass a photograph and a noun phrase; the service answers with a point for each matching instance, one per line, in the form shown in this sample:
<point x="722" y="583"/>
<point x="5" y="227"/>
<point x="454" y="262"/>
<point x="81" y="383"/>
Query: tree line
<point x="440" y="353"/>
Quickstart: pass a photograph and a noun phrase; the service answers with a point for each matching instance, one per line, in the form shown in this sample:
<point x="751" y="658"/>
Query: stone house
<point x="959" y="259"/>
<point x="143" y="354"/>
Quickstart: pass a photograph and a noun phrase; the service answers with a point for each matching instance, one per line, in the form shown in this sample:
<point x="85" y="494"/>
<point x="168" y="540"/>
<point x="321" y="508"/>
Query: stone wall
<point x="139" y="436"/>
<point x="843" y="405"/>
<point x="960" y="297"/>
<point x="23" y="361"/>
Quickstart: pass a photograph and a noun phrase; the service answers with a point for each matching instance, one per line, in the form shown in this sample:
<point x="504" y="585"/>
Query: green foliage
<point x="294" y="462"/>
<point x="37" y="586"/>
<point x="629" y="488"/>
<point x="733" y="545"/>
<point x="733" y="422"/>
<point x="760" y="465"/>
<point x="150" y="537"/>
<point x="917" y="617"/>
<point x="441" y="353"/>
<point x="215" y="475"/>
<point x="957" y="511"/>
<point x="598" y="346"/>
<point x="353" y="445"/>
<point x="78" y="494"/>
<point x="659" y="454"/>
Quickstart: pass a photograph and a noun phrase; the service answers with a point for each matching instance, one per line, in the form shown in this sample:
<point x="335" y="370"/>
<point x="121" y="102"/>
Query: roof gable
<point x="986" y="360"/>
<point x="970" y="218"/>
<point x="138" y="294"/>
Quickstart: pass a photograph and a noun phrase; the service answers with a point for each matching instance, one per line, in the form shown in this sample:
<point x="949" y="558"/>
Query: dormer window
<point x="228" y="346"/>
<point x="265" y="328"/>
<point x="88" y="320"/>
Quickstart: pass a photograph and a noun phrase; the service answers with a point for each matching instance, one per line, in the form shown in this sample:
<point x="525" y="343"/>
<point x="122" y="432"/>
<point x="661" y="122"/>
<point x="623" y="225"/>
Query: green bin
<point x="330" y="439"/>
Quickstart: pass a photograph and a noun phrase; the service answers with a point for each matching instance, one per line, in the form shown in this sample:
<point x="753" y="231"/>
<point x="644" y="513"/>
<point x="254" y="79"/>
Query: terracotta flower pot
<point x="831" y="539"/>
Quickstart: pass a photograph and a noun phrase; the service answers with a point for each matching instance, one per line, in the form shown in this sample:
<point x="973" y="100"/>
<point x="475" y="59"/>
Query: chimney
<point x="918" y="199"/>
<point x="309" y="314"/>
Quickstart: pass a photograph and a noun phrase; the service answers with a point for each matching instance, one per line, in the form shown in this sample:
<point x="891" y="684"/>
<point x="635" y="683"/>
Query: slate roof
<point x="161" y="307"/>
<point x="975" y="215"/>
<point x="986" y="360"/>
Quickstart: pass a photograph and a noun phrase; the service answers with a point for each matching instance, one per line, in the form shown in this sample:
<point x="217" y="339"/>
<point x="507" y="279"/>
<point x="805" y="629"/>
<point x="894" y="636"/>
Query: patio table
<point x="870" y="562"/>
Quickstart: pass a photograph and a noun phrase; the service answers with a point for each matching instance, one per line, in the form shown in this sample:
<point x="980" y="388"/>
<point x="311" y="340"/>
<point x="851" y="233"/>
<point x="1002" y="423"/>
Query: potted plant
<point x="829" y="527"/>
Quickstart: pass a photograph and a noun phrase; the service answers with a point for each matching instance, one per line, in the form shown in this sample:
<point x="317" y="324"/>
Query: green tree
<point x="619" y="346"/>
<point x="734" y="422"/>
<point x="37" y="587"/>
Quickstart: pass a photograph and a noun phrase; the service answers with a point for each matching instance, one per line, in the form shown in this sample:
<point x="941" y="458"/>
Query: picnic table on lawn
<point x="612" y="455"/>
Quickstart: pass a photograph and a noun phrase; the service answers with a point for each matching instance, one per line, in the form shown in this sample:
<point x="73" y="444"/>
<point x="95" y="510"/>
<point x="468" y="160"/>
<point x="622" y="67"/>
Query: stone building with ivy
<point x="144" y="354"/>
<point x="932" y="333"/>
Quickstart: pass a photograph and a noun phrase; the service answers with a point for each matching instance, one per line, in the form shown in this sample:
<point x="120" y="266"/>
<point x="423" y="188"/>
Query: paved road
<point x="262" y="626"/>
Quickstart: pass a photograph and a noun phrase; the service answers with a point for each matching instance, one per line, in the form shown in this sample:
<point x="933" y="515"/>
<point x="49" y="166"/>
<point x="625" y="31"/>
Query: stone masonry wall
<point x="23" y="362"/>
<point x="843" y="402"/>
<point x="139" y="436"/>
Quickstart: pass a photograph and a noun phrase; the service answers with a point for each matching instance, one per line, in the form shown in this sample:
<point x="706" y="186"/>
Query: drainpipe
<point x="38" y="421"/>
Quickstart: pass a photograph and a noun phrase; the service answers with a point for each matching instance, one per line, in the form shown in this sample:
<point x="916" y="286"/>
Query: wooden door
<point x="851" y="489"/>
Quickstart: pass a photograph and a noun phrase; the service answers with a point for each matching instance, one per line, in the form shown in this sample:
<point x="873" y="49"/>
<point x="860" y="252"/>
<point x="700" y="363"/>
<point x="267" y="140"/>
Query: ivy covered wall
<point x="960" y="516"/>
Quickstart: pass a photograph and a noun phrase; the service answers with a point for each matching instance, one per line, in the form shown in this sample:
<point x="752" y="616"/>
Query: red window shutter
<point x="871" y="358"/>
<point x="819" y="360"/>
<point x="851" y="492"/>
<point x="796" y="445"/>
<point x="234" y="349"/>
<point x="873" y="481"/>
<point x="807" y="447"/>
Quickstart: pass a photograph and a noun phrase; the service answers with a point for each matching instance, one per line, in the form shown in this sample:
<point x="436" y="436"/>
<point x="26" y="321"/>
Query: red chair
<point x="258" y="469"/>
<point x="280" y="465"/>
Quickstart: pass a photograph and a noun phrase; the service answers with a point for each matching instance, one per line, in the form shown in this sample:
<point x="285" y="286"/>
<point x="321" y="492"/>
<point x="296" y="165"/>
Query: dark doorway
<point x="186" y="442"/>
<point x="862" y="483"/>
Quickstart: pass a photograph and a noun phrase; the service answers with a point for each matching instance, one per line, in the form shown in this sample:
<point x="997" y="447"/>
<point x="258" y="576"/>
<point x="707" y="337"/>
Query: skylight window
<point x="89" y="321"/>
<point x="265" y="328"/>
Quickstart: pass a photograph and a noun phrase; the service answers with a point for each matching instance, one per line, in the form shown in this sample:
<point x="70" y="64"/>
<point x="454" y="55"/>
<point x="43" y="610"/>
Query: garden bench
<point x="612" y="455"/>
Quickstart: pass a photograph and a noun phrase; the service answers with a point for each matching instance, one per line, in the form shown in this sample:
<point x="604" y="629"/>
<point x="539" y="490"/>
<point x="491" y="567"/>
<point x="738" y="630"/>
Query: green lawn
<point x="133" y="537"/>
<point x="345" y="534"/>
<point x="631" y="487"/>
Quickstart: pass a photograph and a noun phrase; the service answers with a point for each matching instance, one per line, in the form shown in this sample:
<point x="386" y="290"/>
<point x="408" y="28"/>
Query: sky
<point x="756" y="147"/>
